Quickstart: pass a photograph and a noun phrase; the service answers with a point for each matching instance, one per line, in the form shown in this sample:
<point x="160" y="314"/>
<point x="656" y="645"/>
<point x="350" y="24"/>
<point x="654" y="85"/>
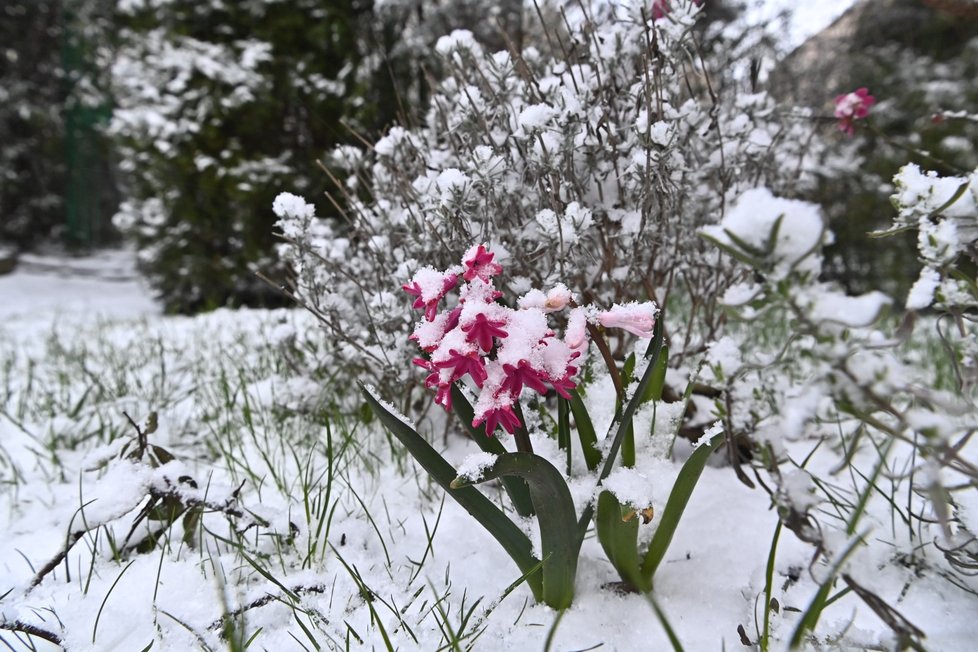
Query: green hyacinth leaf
<point x="502" y="529"/>
<point x="563" y="430"/>
<point x="658" y="383"/>
<point x="585" y="431"/>
<point x="555" y="514"/>
<point x="689" y="475"/>
<point x="619" y="538"/>
<point x="519" y="493"/>
<point x="624" y="424"/>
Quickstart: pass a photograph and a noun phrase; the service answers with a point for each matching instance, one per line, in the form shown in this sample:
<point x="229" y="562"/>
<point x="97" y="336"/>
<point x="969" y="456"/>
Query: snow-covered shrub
<point x="840" y="375"/>
<point x="943" y="210"/>
<point x="218" y="105"/>
<point x="592" y="166"/>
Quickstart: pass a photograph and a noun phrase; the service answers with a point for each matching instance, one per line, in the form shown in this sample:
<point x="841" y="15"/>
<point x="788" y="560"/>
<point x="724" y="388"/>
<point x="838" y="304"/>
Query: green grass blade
<point x="810" y="618"/>
<point x="768" y="588"/>
<point x="563" y="430"/>
<point x="502" y="529"/>
<point x="661" y="615"/>
<point x="585" y="431"/>
<point x="689" y="475"/>
<point x="518" y="492"/>
<point x="820" y="601"/>
<point x="555" y="514"/>
<point x="619" y="538"/>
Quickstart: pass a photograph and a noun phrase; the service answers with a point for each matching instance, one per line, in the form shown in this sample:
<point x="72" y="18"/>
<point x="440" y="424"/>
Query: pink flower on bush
<point x="661" y="8"/>
<point x="851" y="107"/>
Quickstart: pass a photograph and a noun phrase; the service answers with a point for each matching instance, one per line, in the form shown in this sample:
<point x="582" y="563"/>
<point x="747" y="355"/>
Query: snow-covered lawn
<point x="254" y="515"/>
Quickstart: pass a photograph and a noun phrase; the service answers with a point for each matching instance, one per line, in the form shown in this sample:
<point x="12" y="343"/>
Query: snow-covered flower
<point x="636" y="318"/>
<point x="478" y="263"/>
<point x="430" y="286"/>
<point x="503" y="350"/>
<point x="853" y="106"/>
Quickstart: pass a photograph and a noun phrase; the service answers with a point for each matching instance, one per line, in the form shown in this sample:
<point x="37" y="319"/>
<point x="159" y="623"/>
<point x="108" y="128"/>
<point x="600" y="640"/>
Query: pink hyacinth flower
<point x="482" y="330"/>
<point x="563" y="385"/>
<point x="558" y="298"/>
<point x="575" y="336"/>
<point x="502" y="415"/>
<point x="443" y="396"/>
<point x="478" y="264"/>
<point x="429" y="288"/>
<point x="464" y="363"/>
<point x="523" y="374"/>
<point x="636" y="318"/>
<point x="851" y="107"/>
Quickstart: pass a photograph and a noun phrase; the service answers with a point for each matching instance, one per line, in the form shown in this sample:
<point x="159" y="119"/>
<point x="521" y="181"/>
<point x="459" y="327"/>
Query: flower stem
<point x="522" y="436"/>
<point x="609" y="361"/>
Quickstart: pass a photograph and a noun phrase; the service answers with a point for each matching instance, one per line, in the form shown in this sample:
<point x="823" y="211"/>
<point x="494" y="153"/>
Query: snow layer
<point x="390" y="534"/>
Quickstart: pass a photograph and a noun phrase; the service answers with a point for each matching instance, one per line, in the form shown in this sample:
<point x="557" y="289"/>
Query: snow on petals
<point x="501" y="350"/>
<point x="430" y="286"/>
<point x="478" y="263"/>
<point x="636" y="318"/>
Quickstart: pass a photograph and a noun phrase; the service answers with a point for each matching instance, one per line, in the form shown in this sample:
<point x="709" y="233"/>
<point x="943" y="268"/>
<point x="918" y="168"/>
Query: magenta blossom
<point x="464" y="363"/>
<point x="443" y="395"/>
<point x="523" y="374"/>
<point x="502" y="415"/>
<point x="478" y="264"/>
<point x="483" y="330"/>
<point x="563" y="385"/>
<point x="430" y="286"/>
<point x="504" y="351"/>
<point x="851" y="107"/>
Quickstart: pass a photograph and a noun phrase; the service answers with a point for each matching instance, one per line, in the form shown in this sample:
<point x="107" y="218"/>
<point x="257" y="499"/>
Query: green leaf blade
<point x="502" y="529"/>
<point x="679" y="497"/>
<point x="556" y="516"/>
<point x="518" y="492"/>
<point x="619" y="538"/>
<point x="585" y="431"/>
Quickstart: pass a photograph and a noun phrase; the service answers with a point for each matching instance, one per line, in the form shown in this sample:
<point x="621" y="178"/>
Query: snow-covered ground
<point x="318" y="532"/>
<point x="105" y="283"/>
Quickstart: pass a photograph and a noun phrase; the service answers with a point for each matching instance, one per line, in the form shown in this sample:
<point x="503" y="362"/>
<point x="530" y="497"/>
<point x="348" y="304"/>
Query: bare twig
<point x="31" y="630"/>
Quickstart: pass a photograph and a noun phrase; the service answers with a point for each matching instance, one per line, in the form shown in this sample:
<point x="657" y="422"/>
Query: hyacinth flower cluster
<point x="851" y="107"/>
<point x="503" y="350"/>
